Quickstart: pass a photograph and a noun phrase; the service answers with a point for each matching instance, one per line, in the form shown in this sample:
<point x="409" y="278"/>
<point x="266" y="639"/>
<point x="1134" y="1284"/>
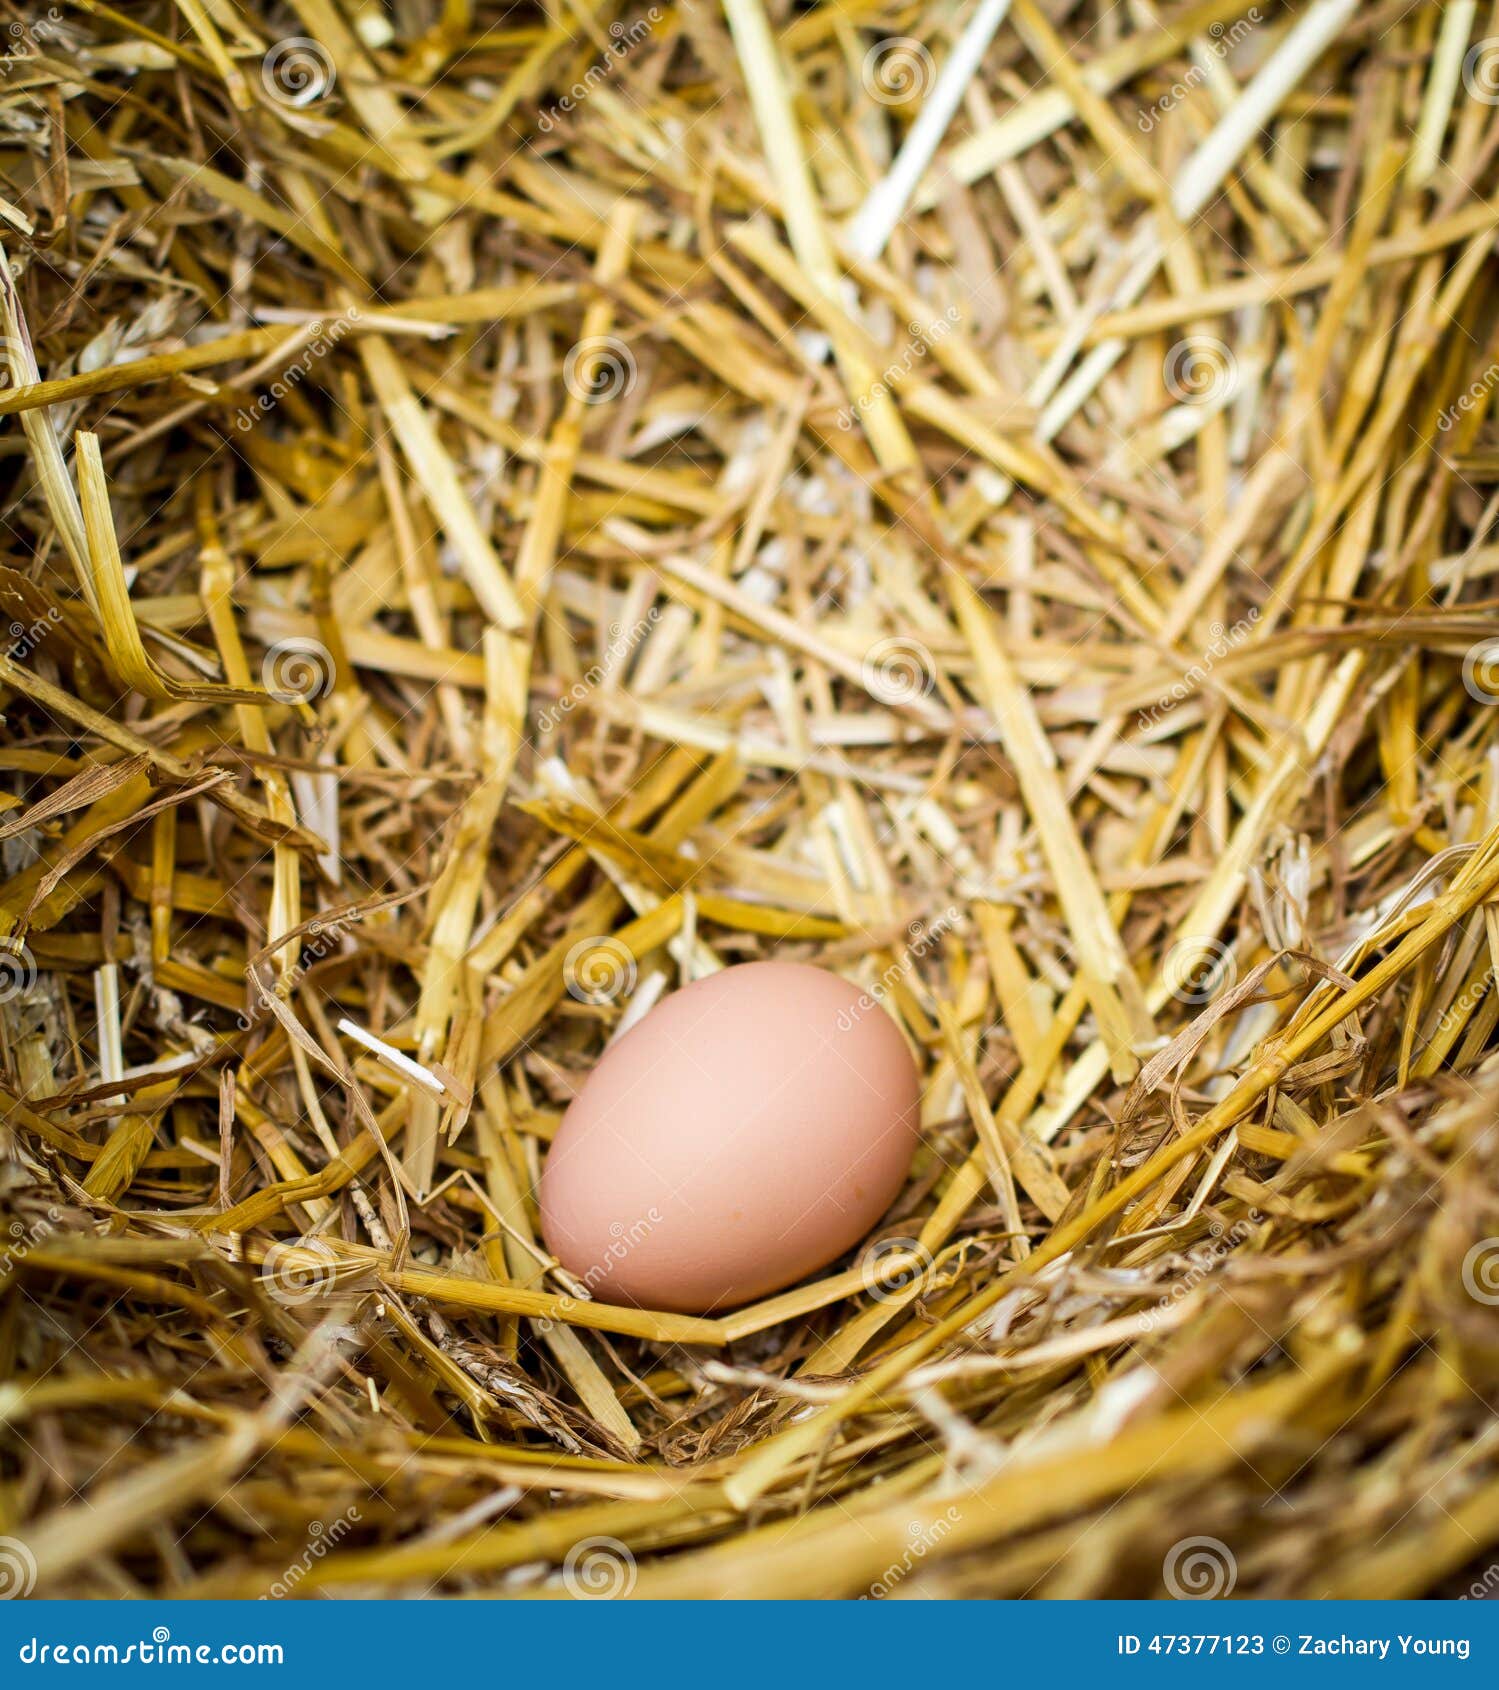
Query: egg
<point x="748" y="1131"/>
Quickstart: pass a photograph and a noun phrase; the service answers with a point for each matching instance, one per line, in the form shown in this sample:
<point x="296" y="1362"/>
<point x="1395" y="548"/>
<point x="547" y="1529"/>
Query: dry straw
<point x="507" y="510"/>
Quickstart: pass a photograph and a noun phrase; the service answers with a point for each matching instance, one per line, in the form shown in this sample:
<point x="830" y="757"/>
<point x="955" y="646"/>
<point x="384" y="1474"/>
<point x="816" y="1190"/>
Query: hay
<point x="510" y="510"/>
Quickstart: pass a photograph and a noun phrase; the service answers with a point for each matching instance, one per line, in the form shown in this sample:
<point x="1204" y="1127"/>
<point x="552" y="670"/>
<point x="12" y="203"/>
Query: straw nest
<point x="507" y="510"/>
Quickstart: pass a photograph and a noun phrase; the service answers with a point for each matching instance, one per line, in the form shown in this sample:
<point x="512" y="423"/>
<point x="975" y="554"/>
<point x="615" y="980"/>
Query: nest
<point x="508" y="510"/>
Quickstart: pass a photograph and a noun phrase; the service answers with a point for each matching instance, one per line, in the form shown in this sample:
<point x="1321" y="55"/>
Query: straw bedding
<point x="509" y="509"/>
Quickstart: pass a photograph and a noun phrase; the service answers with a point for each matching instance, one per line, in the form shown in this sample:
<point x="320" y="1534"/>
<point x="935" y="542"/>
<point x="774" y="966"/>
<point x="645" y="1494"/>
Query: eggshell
<point x="747" y="1132"/>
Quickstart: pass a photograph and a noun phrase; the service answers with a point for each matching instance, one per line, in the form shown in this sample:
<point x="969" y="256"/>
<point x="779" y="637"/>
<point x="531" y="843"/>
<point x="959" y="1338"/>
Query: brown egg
<point x="753" y="1127"/>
